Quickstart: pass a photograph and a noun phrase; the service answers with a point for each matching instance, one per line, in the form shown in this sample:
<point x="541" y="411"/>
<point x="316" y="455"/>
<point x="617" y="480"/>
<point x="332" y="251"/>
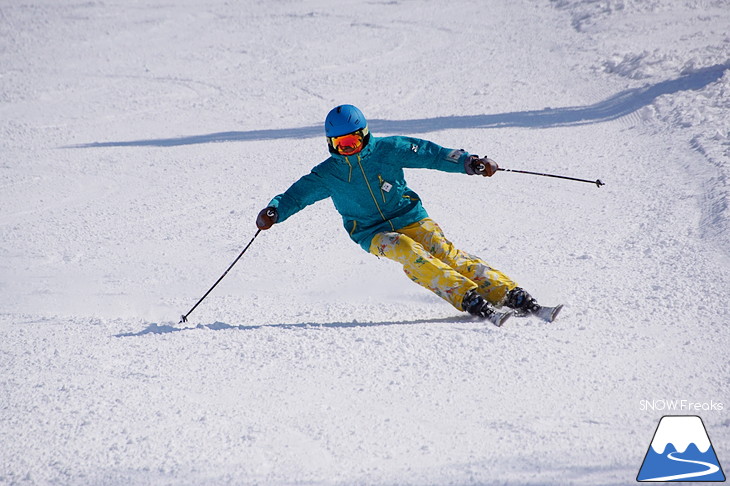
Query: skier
<point x="364" y="177"/>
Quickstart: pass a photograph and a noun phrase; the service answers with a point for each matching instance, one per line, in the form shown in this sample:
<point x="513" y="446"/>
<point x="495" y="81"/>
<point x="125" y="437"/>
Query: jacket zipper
<point x="349" y="177"/>
<point x="375" y="200"/>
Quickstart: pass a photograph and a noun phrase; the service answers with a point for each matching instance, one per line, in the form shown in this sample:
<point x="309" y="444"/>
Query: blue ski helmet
<point x="345" y="120"/>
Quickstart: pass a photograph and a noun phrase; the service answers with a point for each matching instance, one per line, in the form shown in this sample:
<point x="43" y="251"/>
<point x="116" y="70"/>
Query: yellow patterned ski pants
<point x="432" y="261"/>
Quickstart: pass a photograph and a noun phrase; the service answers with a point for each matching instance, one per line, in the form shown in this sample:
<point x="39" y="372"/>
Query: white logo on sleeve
<point x="454" y="155"/>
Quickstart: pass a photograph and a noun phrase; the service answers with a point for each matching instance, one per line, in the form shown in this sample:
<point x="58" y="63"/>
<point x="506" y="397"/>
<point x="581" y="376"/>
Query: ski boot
<point x="475" y="305"/>
<point x="524" y="305"/>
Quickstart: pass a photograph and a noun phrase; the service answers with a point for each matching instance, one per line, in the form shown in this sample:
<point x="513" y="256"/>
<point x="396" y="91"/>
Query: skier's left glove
<point x="267" y="218"/>
<point x="481" y="165"/>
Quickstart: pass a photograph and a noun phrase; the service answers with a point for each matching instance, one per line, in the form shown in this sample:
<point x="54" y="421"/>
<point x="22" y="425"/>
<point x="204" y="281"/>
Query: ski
<point x="547" y="314"/>
<point x="499" y="318"/>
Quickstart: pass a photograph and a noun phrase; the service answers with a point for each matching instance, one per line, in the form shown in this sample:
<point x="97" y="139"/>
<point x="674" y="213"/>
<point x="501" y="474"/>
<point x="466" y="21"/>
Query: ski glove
<point x="482" y="166"/>
<point x="266" y="218"/>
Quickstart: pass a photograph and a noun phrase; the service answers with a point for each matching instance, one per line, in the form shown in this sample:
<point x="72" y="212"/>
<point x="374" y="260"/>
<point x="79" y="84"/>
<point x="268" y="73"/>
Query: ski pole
<point x="184" y="318"/>
<point x="597" y="182"/>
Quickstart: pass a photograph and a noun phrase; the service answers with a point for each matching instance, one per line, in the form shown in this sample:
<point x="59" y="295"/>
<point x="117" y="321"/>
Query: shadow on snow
<point x="611" y="108"/>
<point x="155" y="328"/>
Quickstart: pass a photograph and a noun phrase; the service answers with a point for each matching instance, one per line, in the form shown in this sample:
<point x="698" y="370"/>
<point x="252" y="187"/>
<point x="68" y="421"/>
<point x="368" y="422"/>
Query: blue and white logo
<point x="681" y="451"/>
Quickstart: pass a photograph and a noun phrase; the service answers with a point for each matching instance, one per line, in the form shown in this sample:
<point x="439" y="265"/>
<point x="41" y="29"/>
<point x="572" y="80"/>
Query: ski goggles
<point x="349" y="144"/>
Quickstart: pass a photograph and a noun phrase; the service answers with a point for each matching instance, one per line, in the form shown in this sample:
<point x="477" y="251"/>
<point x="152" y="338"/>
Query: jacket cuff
<point x="467" y="164"/>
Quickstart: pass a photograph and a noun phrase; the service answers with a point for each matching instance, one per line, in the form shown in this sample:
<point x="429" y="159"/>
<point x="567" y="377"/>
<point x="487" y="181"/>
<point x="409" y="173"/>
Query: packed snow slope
<point x="138" y="141"/>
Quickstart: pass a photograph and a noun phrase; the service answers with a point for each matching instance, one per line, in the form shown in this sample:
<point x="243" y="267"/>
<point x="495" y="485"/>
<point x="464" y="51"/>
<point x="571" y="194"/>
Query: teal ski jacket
<point x="369" y="189"/>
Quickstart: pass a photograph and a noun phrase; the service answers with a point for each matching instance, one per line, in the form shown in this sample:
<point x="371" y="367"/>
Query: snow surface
<point x="138" y="140"/>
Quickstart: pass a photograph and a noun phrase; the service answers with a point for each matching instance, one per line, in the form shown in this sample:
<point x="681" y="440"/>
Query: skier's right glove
<point x="267" y="218"/>
<point x="482" y="166"/>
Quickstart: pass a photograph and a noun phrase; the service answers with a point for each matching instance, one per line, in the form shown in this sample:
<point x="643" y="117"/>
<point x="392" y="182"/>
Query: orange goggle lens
<point x="349" y="144"/>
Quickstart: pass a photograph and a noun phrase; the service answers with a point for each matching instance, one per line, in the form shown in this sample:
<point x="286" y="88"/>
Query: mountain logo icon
<point x="681" y="451"/>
